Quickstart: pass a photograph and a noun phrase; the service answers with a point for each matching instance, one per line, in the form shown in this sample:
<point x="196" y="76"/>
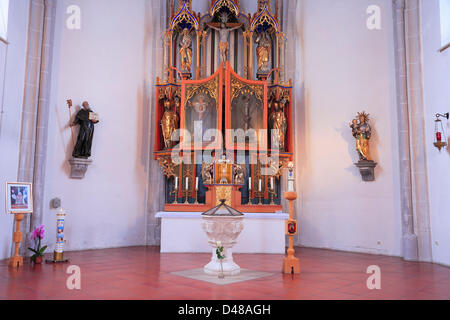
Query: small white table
<point x="181" y="232"/>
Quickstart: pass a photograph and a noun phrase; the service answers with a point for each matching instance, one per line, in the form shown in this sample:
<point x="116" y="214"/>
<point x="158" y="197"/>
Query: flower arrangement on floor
<point x="37" y="236"/>
<point x="221" y="257"/>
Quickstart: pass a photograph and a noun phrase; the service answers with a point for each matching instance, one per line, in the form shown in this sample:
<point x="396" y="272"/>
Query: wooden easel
<point x="291" y="264"/>
<point x="16" y="261"/>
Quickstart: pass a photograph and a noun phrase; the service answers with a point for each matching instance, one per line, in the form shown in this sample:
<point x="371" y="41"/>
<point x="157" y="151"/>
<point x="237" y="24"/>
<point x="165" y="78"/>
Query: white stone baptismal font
<point x="222" y="224"/>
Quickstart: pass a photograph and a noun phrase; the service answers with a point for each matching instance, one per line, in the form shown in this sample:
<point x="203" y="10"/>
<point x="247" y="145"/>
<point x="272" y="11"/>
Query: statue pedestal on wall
<point x="78" y="167"/>
<point x="367" y="169"/>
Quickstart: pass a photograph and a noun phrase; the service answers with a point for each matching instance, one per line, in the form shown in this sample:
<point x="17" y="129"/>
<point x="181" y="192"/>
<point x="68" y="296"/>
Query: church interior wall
<point x="339" y="68"/>
<point x="347" y="69"/>
<point x="436" y="68"/>
<point x="13" y="74"/>
<point x="103" y="63"/>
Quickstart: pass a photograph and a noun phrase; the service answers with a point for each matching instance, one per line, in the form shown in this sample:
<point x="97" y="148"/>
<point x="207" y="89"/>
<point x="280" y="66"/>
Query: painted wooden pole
<point x="291" y="264"/>
<point x="17" y="260"/>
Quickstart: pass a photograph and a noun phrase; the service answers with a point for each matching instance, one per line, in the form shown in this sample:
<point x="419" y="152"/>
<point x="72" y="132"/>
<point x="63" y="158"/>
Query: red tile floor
<point x="144" y="273"/>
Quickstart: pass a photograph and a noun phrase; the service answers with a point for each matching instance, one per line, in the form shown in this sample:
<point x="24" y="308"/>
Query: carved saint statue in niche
<point x="186" y="50"/>
<point x="224" y="34"/>
<point x="169" y="123"/>
<point x="239" y="173"/>
<point x="263" y="51"/>
<point x="207" y="173"/>
<point x="362" y="132"/>
<point x="278" y="125"/>
<point x="86" y="119"/>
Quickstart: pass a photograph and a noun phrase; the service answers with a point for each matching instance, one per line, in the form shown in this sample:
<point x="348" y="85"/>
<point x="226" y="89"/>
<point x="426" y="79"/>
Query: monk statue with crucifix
<point x="224" y="34"/>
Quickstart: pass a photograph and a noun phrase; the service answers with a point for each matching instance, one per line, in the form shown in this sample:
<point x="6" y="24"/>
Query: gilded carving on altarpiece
<point x="239" y="88"/>
<point x="211" y="88"/>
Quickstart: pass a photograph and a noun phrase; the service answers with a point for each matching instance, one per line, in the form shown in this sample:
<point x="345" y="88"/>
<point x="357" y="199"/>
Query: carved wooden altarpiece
<point x="204" y="102"/>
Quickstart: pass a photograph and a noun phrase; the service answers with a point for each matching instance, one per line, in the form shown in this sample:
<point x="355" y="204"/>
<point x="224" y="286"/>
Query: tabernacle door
<point x="245" y="112"/>
<point x="201" y="110"/>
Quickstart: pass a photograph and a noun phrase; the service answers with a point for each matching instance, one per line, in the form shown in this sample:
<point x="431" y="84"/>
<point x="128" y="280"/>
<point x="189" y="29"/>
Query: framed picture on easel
<point x="19" y="198"/>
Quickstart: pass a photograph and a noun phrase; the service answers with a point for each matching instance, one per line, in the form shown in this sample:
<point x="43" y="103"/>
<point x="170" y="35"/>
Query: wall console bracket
<point x="78" y="167"/>
<point x="367" y="169"/>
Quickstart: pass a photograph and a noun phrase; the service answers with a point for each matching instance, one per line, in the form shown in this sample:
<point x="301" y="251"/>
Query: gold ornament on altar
<point x="224" y="193"/>
<point x="169" y="122"/>
<point x="167" y="166"/>
<point x="224" y="170"/>
<point x="186" y="51"/>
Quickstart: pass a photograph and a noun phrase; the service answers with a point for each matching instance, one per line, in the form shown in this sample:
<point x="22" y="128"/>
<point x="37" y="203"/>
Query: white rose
<point x="219" y="243"/>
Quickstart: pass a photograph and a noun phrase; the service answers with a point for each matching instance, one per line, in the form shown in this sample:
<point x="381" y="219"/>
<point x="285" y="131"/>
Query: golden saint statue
<point x="278" y="125"/>
<point x="169" y="123"/>
<point x="239" y="173"/>
<point x="207" y="173"/>
<point x="362" y="132"/>
<point x="186" y="51"/>
<point x="263" y="52"/>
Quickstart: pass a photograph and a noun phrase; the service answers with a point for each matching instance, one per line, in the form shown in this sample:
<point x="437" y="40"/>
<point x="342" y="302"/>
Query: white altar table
<point x="182" y="232"/>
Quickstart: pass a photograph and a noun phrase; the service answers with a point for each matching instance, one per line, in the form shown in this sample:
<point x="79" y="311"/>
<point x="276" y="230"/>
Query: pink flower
<point x="35" y="234"/>
<point x="39" y="232"/>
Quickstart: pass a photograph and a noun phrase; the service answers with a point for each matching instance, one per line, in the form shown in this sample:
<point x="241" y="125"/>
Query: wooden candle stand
<point x="291" y="264"/>
<point x="16" y="260"/>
